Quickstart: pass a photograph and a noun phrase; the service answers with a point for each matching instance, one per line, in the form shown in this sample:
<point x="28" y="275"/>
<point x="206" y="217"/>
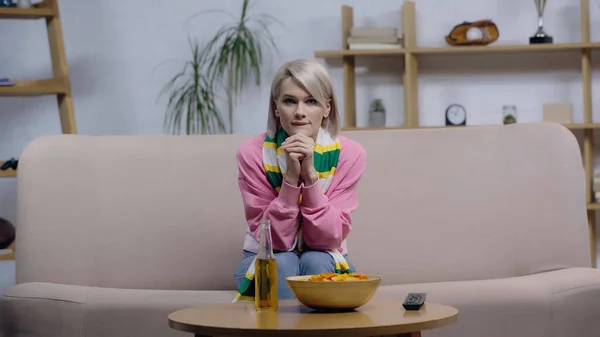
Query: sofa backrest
<point x="164" y="212"/>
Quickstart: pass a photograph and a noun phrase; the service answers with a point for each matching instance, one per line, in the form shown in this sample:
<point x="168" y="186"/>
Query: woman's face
<point x="298" y="111"/>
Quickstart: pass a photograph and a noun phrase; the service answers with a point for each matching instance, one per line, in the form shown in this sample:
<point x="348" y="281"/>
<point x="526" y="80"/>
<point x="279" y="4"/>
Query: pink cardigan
<point x="326" y="217"/>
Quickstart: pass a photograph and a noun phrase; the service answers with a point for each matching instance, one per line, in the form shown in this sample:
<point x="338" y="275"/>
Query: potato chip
<point x="335" y="277"/>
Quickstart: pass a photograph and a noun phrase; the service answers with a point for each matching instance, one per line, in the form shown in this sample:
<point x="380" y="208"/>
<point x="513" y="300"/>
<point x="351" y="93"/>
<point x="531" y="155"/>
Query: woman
<point x="302" y="176"/>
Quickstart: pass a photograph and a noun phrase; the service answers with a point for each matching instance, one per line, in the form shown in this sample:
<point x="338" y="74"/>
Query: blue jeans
<point x="292" y="263"/>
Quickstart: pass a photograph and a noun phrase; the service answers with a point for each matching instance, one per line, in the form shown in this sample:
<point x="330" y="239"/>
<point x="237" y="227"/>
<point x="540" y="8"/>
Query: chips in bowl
<point x="328" y="277"/>
<point x="332" y="291"/>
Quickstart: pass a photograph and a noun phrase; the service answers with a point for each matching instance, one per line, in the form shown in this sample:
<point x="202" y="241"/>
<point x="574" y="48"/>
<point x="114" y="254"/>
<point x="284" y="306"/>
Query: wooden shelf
<point x="525" y="48"/>
<point x="34" y="88"/>
<point x="490" y="49"/>
<point x="10" y="256"/>
<point x="371" y="128"/>
<point x="7" y="257"/>
<point x="582" y="126"/>
<point x="37" y="12"/>
<point x="7" y="173"/>
<point x="359" y="52"/>
<point x="411" y="55"/>
<point x="593" y="207"/>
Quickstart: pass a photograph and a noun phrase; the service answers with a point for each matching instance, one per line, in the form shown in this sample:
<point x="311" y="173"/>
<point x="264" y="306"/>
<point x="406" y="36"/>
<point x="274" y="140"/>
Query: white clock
<point x="456" y="114"/>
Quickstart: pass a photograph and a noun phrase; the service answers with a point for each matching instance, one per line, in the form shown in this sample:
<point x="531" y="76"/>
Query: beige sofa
<point x="116" y="232"/>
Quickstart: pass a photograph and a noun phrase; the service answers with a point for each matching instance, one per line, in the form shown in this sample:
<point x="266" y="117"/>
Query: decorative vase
<point x="377" y="113"/>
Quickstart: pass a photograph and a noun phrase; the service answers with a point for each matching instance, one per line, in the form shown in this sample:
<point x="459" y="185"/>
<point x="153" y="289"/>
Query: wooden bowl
<point x="333" y="295"/>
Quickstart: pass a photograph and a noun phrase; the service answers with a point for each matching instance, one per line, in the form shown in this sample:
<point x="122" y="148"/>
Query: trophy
<point x="540" y="36"/>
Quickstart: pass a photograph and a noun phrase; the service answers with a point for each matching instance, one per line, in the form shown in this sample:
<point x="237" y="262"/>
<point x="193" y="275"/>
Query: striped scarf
<point x="326" y="156"/>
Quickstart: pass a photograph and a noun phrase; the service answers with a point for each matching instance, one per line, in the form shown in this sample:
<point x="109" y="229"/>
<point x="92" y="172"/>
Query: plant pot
<point x="377" y="118"/>
<point x="509" y="119"/>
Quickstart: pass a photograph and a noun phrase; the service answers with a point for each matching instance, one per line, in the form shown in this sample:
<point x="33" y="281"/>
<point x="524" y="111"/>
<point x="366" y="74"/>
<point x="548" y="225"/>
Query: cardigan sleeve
<point x="261" y="200"/>
<point x="327" y="220"/>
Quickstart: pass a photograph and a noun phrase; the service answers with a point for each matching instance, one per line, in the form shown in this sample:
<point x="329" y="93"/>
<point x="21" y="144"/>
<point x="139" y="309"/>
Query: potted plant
<point x="229" y="61"/>
<point x="510" y="114"/>
<point x="191" y="97"/>
<point x="377" y="113"/>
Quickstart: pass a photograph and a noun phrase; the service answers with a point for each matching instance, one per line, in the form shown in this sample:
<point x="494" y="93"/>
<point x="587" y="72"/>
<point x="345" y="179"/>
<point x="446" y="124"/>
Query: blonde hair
<point x="316" y="80"/>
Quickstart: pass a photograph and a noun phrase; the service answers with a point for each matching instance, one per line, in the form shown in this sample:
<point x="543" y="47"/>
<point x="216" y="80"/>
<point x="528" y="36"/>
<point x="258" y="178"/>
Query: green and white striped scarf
<point x="326" y="157"/>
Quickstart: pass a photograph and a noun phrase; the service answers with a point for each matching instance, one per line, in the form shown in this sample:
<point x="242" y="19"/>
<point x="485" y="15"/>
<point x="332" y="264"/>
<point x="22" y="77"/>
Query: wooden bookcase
<point x="59" y="85"/>
<point x="411" y="53"/>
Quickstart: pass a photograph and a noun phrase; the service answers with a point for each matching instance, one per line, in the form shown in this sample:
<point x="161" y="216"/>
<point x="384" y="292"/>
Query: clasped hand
<point x="299" y="154"/>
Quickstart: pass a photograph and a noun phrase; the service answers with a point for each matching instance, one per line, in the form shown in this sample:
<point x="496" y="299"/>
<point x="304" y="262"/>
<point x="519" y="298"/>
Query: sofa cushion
<point x="556" y="303"/>
<point x="52" y="310"/>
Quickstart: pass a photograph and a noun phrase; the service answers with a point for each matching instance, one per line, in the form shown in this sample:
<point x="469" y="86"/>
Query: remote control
<point x="414" y="301"/>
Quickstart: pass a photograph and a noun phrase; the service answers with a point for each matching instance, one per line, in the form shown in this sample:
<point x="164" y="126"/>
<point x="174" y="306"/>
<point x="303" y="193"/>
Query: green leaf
<point x="191" y="99"/>
<point x="226" y="63"/>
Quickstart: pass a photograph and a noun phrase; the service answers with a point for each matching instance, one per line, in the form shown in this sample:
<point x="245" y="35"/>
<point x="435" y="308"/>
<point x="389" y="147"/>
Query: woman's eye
<point x="311" y="101"/>
<point x="288" y="101"/>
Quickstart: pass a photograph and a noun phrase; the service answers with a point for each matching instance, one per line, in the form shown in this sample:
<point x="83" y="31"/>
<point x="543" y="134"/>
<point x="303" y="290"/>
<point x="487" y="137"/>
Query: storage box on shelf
<point x="408" y="57"/>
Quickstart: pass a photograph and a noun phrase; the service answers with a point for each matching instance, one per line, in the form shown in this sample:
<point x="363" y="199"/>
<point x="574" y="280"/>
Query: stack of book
<point x="374" y="38"/>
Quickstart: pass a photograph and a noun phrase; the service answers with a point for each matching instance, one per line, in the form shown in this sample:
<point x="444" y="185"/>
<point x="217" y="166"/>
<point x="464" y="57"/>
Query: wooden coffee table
<point x="376" y="318"/>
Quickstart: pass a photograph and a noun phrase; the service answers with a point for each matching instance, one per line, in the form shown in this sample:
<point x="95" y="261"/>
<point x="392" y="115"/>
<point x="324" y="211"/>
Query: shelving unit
<point x="410" y="54"/>
<point x="58" y="85"/>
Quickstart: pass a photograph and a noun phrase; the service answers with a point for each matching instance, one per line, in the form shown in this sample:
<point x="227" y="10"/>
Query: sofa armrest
<point x="563" y="302"/>
<point x="575" y="300"/>
<point x="42" y="309"/>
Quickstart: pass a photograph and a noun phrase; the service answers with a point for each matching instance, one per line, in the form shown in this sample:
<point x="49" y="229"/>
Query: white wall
<point x="120" y="54"/>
